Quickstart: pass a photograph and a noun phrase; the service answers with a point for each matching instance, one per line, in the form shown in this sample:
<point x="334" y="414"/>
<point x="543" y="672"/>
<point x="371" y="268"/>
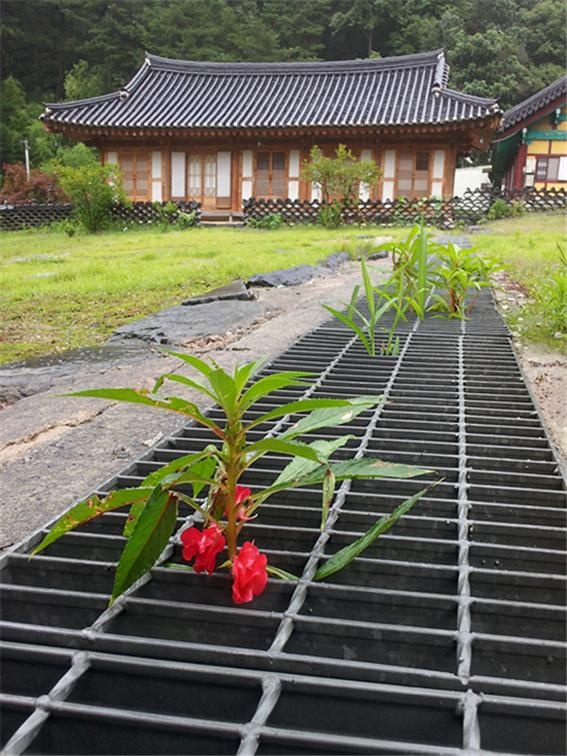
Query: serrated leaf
<point x="279" y="446"/>
<point x="133" y="517"/>
<point x="173" y="467"/>
<point x="367" y="467"/>
<point x="185" y="381"/>
<point x="346" y="555"/>
<point x="149" y="538"/>
<point x="87" y="510"/>
<point x="330" y="417"/>
<point x="271" y="383"/>
<point x="195" y="362"/>
<point x="173" y="403"/>
<point x="302" y="405"/>
<point x="243" y="373"/>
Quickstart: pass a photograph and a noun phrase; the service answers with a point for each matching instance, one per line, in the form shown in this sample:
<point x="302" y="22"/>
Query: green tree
<point x="338" y="178"/>
<point x="82" y="81"/>
<point x="93" y="189"/>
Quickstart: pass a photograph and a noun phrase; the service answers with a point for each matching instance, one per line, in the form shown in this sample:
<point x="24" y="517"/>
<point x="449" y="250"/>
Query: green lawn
<point x="528" y="248"/>
<point x="59" y="293"/>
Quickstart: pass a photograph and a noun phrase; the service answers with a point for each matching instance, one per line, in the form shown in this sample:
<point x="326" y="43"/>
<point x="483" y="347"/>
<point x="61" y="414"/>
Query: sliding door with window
<point x="202" y="179"/>
<point x="412" y="175"/>
<point x="270" y="176"/>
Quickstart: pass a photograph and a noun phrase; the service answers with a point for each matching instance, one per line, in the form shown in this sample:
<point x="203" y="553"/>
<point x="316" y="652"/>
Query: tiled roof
<point x="534" y="103"/>
<point x="409" y="89"/>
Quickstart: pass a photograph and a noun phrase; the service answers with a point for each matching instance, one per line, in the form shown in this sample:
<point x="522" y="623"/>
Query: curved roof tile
<point x="165" y="93"/>
<point x="535" y="102"/>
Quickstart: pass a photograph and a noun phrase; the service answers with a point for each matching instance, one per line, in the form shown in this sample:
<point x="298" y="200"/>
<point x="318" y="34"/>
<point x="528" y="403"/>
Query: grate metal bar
<point x="474" y="574"/>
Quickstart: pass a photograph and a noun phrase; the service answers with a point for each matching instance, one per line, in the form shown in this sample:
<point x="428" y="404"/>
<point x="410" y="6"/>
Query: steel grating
<point x="446" y="637"/>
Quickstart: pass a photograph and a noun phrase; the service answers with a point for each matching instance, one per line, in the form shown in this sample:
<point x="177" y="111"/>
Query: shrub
<point x="502" y="209"/>
<point x="93" y="189"/>
<point x="330" y="216"/>
<point x="270" y="222"/>
<point x="40" y="187"/>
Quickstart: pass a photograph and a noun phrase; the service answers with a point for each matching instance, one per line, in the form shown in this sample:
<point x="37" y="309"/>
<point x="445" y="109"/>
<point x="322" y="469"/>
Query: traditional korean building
<point x="530" y="148"/>
<point x="220" y="133"/>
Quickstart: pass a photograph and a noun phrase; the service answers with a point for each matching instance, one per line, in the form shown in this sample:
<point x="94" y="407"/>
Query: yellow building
<point x="530" y="149"/>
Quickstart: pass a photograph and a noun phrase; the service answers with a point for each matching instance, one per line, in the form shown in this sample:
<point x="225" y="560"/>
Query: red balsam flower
<point x="204" y="546"/>
<point x="249" y="573"/>
<point x="242" y="493"/>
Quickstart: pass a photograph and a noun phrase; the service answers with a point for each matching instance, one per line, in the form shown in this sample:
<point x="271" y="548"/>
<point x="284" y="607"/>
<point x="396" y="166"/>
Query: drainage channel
<point x="446" y="637"/>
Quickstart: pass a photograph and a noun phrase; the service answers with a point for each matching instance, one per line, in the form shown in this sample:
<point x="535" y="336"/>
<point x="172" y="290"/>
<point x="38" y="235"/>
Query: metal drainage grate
<point x="446" y="637"/>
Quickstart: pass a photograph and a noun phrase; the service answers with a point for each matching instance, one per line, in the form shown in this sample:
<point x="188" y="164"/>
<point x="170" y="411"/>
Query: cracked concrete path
<point x="56" y="449"/>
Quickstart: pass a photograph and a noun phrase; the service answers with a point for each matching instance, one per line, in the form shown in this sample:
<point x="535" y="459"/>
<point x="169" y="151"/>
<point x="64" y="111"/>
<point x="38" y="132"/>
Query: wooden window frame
<point x="270" y="151"/>
<point x="414" y="151"/>
<point x="135" y="155"/>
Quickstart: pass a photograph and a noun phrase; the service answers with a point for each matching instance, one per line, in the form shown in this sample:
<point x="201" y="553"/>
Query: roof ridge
<point x="342" y="66"/>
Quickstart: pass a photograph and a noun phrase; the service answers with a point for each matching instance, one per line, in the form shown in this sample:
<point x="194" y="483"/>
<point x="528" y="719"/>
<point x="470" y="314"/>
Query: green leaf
<point x="329" y="481"/>
<point x="350" y="552"/>
<point x="367" y="467"/>
<point x="368" y="290"/>
<point x="243" y="373"/>
<point x="133" y="516"/>
<point x="149" y="538"/>
<point x="189" y="382"/>
<point x="350" y="323"/>
<point x="279" y="446"/>
<point x="195" y="362"/>
<point x="176" y="465"/>
<point x="331" y="417"/>
<point x="224" y="387"/>
<point x="276" y="572"/>
<point x="270" y="383"/>
<point x="302" y="405"/>
<point x="298" y="468"/>
<point x="87" y="510"/>
<point x="203" y="472"/>
<point x="173" y="403"/>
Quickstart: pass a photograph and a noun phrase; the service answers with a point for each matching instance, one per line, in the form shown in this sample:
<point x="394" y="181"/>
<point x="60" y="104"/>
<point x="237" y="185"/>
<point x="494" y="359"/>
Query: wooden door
<point x="202" y="179"/>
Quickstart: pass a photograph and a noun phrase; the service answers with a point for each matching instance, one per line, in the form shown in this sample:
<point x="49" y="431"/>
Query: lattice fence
<point x="18" y="217"/>
<point x="471" y="207"/>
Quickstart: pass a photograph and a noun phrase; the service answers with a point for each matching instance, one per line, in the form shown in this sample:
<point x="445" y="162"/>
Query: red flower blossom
<point x="242" y="493"/>
<point x="203" y="545"/>
<point x="249" y="573"/>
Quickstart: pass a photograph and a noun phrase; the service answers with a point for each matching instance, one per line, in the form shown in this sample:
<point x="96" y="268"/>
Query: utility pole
<point x="27" y="156"/>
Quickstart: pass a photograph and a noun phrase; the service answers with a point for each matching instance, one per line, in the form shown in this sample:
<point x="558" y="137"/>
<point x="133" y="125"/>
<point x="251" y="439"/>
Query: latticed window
<point x="135" y="167"/>
<point x="548" y="169"/>
<point x="202" y="177"/>
<point x="271" y="175"/>
<point x="413" y="174"/>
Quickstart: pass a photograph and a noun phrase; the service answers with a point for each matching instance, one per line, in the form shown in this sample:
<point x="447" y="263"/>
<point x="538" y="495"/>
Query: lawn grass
<point x="59" y="293"/>
<point x="528" y="248"/>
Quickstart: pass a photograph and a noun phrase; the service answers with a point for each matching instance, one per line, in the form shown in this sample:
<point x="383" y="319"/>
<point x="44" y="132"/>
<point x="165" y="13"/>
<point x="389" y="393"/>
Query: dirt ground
<point x="56" y="449"/>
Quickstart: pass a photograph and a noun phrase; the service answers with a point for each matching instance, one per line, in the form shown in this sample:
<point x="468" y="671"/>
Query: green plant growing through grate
<point x="209" y="482"/>
<point x="378" y="302"/>
<point x="458" y="273"/>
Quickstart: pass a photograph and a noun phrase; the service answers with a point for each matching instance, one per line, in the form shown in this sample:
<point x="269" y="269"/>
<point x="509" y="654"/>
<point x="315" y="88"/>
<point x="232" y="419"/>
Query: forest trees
<point x="53" y="49"/>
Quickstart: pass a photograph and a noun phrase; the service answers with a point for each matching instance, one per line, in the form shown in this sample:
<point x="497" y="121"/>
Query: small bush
<point x="93" y="189"/>
<point x="270" y="222"/>
<point x="330" y="216"/>
<point x="502" y="209"/>
<point x="40" y="187"/>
